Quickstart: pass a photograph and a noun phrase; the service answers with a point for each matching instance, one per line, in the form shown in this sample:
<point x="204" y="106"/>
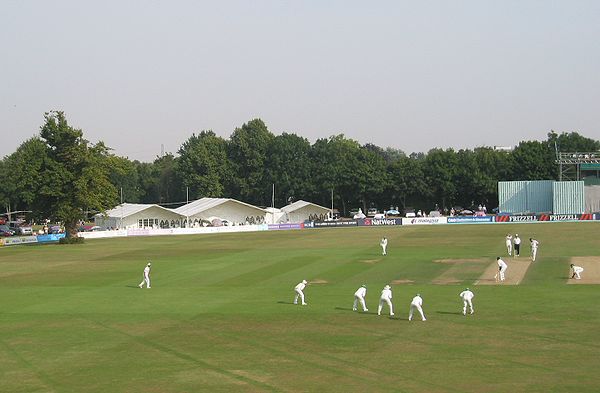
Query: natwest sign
<point x="379" y="221"/>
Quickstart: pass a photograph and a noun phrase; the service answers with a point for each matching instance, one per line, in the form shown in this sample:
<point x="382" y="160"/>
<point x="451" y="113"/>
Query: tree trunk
<point x="71" y="229"/>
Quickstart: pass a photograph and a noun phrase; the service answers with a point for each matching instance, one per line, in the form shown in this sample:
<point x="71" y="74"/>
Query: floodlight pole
<point x="332" y="203"/>
<point x="187" y="201"/>
<point x="121" y="222"/>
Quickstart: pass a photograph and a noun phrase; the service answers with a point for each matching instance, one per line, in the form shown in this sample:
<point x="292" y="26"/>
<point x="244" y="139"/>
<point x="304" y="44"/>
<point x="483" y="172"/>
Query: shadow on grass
<point x="132" y="286"/>
<point x="449" y="312"/>
<point x="282" y="302"/>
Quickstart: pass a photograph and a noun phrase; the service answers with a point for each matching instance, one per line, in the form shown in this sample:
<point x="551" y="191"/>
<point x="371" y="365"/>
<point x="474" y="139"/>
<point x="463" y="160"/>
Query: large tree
<point x="125" y="177"/>
<point x="407" y="186"/>
<point x="74" y="177"/>
<point x="339" y="167"/>
<point x="22" y="175"/>
<point x="248" y="150"/>
<point x="203" y="165"/>
<point x="288" y="167"/>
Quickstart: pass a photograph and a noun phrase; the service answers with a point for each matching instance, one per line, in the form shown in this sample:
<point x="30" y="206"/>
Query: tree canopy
<point x="61" y="176"/>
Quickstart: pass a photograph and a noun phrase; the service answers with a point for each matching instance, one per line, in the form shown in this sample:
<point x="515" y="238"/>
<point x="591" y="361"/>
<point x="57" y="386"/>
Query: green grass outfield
<point x="219" y="316"/>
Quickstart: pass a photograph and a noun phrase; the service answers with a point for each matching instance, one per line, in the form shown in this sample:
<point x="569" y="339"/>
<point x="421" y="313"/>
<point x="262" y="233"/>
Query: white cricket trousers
<point x="509" y="248"/>
<point x="361" y="300"/>
<point x="502" y="270"/>
<point x="412" y="309"/>
<point x="533" y="253"/>
<point x="389" y="303"/>
<point x="467" y="302"/>
<point x="146" y="280"/>
<point x="384" y="249"/>
<point x="299" y="294"/>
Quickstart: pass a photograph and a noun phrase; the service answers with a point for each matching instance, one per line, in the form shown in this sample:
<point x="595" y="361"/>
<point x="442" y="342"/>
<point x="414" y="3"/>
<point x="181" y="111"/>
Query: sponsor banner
<point x="103" y="234"/>
<point x="566" y="217"/>
<point x="379" y="221"/>
<point x="49" y="238"/>
<point x="283" y="227"/>
<point x="466" y="220"/>
<point x="526" y="218"/>
<point x="11" y="241"/>
<point x="424" y="221"/>
<point x="138" y="232"/>
<point x="330" y="224"/>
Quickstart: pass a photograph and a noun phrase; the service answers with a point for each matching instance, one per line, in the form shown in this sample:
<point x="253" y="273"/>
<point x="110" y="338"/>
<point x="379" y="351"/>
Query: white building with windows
<point x="136" y="215"/>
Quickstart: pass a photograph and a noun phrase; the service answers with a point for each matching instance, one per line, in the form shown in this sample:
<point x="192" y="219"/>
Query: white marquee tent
<point x="301" y="211"/>
<point x="135" y="215"/>
<point x="231" y="210"/>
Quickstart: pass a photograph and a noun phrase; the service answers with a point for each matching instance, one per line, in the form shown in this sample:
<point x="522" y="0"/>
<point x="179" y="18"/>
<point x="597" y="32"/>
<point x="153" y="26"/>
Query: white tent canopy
<point x="231" y="210"/>
<point x="136" y="215"/>
<point x="301" y="211"/>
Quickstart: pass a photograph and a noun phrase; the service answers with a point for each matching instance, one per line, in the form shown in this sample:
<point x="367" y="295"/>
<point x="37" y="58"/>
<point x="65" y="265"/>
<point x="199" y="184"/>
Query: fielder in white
<point x="467" y="297"/>
<point x="383" y="244"/>
<point x="502" y="266"/>
<point x="359" y="297"/>
<point x="417" y="302"/>
<point x="299" y="294"/>
<point x="509" y="244"/>
<point x="146" y="276"/>
<point x="577" y="270"/>
<point x="386" y="297"/>
<point x="534" y="248"/>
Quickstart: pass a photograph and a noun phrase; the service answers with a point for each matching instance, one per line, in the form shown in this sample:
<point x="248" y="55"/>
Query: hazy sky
<point x="411" y="75"/>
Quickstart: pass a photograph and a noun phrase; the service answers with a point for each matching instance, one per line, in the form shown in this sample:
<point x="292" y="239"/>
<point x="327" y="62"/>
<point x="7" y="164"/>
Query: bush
<point x="71" y="240"/>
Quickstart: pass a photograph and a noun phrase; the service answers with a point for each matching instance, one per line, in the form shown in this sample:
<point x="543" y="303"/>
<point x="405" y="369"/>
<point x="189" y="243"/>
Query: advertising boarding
<point x="425" y="221"/>
<point x="523" y="218"/>
<point x="470" y="220"/>
<point x="374" y="222"/>
<point x="330" y="224"/>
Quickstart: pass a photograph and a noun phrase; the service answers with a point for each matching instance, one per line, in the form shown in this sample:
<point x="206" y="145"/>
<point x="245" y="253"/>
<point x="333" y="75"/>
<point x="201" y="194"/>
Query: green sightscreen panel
<point x="590" y="167"/>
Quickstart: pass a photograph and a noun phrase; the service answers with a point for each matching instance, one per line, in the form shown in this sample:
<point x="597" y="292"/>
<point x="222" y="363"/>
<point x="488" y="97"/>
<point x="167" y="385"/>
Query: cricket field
<point x="219" y="316"/>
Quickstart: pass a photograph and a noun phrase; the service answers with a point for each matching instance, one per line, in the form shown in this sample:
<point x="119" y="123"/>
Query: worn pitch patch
<point x="458" y="269"/>
<point x="591" y="270"/>
<point x="318" y="281"/>
<point x="515" y="272"/>
<point x="461" y="261"/>
<point x="370" y="261"/>
<point x="402" y="282"/>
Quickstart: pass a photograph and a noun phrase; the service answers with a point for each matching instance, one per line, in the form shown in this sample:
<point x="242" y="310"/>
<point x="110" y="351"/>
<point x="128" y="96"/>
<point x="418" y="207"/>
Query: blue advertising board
<point x="50" y="238"/>
<point x="470" y="219"/>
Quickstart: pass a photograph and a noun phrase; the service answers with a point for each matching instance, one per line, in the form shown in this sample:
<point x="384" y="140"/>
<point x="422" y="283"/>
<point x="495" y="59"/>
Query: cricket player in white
<point x="577" y="270"/>
<point x="467" y="297"/>
<point x="534" y="247"/>
<point x="299" y="294"/>
<point x="359" y="297"/>
<point x="383" y="244"/>
<point x="517" y="243"/>
<point x="386" y="297"/>
<point x="509" y="244"/>
<point x="417" y="302"/>
<point x="502" y="266"/>
<point x="146" y="276"/>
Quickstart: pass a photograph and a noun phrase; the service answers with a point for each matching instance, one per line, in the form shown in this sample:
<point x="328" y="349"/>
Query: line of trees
<point x="62" y="176"/>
